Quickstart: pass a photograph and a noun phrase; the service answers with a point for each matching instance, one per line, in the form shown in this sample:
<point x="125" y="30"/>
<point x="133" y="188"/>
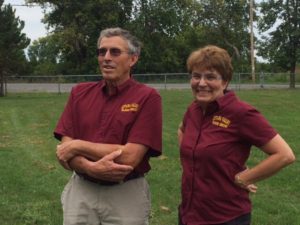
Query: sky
<point x="32" y="16"/>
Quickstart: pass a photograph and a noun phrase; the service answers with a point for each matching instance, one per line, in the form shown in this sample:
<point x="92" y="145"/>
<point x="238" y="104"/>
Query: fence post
<point x="261" y="79"/>
<point x="165" y="75"/>
<point x="5" y="85"/>
<point x="238" y="83"/>
<point x="59" y="83"/>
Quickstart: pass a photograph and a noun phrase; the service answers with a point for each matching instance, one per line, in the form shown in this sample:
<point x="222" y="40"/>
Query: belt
<point x="131" y="176"/>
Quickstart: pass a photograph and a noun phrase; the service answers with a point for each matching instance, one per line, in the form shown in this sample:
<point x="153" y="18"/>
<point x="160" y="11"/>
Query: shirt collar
<point x="118" y="89"/>
<point x="226" y="99"/>
<point x="221" y="102"/>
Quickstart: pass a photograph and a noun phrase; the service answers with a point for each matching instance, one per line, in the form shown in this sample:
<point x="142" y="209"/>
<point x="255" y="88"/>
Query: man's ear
<point x="134" y="59"/>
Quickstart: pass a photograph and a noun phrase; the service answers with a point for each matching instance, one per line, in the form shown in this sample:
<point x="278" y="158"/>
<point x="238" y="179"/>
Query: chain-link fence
<point x="64" y="83"/>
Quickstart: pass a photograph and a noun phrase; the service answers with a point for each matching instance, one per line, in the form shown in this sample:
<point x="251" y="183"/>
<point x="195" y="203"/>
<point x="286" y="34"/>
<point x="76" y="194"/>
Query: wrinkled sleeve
<point x="255" y="129"/>
<point x="147" y="128"/>
<point x="185" y="116"/>
<point x="64" y="126"/>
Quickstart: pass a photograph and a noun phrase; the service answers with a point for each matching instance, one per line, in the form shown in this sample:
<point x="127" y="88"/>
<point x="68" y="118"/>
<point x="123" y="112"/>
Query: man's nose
<point x="107" y="55"/>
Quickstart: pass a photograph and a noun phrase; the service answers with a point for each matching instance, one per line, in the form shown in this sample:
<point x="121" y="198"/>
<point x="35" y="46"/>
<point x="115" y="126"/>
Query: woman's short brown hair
<point x="211" y="57"/>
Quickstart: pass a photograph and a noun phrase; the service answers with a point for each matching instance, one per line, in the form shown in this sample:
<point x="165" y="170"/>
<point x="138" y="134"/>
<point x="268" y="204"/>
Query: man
<point x="108" y="132"/>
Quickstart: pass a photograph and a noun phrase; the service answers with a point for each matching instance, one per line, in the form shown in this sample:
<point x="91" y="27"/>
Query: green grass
<point x="31" y="179"/>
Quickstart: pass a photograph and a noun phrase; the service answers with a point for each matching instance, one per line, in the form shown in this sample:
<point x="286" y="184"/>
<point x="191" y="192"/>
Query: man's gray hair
<point x="134" y="45"/>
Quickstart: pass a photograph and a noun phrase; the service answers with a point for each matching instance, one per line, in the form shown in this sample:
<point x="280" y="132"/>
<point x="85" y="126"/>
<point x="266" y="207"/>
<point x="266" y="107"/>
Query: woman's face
<point x="207" y="86"/>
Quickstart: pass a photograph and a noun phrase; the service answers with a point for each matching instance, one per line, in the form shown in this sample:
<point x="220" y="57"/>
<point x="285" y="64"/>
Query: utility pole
<point x="252" y="43"/>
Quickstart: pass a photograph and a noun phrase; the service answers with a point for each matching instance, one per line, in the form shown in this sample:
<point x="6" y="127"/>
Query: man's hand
<point x="66" y="150"/>
<point x="107" y="169"/>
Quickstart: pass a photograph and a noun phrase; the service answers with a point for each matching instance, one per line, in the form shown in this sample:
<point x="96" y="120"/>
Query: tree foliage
<point x="158" y="23"/>
<point x="281" y="46"/>
<point x="12" y="44"/>
<point x="77" y="25"/>
<point x="225" y="23"/>
<point x="169" y="30"/>
<point x="44" y="55"/>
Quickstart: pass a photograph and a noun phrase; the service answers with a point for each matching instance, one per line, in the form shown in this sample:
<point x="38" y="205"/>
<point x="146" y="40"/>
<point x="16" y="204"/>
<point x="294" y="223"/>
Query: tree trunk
<point x="292" y="80"/>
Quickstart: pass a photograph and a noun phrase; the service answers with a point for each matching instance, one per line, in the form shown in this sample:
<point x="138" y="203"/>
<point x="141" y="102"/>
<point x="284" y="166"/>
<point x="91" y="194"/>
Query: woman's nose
<point x="202" y="81"/>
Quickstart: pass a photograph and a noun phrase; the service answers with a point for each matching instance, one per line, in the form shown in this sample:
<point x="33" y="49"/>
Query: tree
<point x="158" y="23"/>
<point x="169" y="30"/>
<point x="282" y="45"/>
<point x="77" y="24"/>
<point x="225" y="23"/>
<point x="44" y="55"/>
<point x="12" y="44"/>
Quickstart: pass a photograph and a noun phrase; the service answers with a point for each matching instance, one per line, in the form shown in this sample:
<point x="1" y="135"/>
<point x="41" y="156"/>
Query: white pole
<point x="252" y="43"/>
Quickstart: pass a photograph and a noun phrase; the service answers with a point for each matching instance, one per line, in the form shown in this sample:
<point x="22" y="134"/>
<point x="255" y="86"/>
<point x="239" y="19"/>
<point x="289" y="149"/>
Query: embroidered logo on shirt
<point x="133" y="107"/>
<point x="221" y="121"/>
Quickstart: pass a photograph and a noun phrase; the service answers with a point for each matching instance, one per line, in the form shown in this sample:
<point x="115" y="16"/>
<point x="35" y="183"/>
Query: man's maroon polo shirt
<point x="132" y="115"/>
<point x="214" y="148"/>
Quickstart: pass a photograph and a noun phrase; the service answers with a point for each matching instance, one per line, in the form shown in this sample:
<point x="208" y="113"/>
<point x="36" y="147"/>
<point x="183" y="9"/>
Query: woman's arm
<point x="280" y="155"/>
<point x="180" y="134"/>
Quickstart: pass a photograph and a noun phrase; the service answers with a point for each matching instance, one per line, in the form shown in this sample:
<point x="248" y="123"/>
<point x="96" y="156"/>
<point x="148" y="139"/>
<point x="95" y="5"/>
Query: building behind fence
<point x="64" y="83"/>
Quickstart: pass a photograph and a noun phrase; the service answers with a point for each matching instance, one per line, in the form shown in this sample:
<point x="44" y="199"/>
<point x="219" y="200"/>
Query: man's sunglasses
<point x="115" y="52"/>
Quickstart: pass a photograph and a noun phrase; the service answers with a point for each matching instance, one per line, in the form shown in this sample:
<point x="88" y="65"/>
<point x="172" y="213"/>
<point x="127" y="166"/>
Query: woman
<point x="215" y="138"/>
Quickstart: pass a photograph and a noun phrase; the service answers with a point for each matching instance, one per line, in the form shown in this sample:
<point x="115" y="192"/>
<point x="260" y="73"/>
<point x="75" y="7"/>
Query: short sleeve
<point x="255" y="129"/>
<point x="184" y="121"/>
<point x="64" y="126"/>
<point x="147" y="129"/>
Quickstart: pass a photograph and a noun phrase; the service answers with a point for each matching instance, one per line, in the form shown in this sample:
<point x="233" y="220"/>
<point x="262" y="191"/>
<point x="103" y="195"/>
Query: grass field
<point x="31" y="180"/>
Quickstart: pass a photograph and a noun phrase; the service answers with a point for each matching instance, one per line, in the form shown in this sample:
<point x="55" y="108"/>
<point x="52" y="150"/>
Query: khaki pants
<point x="87" y="203"/>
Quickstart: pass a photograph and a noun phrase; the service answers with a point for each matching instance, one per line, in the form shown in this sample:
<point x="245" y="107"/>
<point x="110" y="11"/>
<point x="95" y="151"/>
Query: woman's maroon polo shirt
<point x="132" y="115"/>
<point x="214" y="148"/>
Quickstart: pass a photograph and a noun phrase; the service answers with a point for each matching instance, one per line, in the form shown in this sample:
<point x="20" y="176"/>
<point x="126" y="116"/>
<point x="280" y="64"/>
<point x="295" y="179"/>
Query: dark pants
<point x="241" y="220"/>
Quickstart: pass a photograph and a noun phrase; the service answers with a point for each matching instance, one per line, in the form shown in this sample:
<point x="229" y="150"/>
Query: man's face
<point x="114" y="60"/>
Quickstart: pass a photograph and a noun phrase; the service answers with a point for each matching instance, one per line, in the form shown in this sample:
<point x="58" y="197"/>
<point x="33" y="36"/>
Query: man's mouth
<point x="108" y="67"/>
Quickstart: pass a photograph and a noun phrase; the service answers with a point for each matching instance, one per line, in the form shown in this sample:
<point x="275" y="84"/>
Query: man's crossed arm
<point x="110" y="162"/>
